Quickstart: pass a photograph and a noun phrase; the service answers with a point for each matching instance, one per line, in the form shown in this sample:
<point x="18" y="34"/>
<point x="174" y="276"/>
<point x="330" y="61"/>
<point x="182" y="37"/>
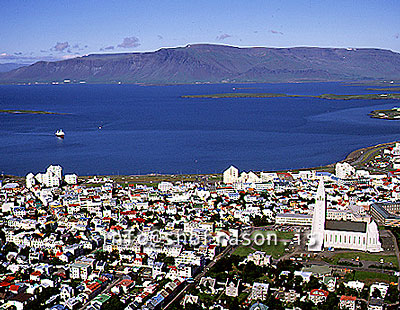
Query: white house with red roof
<point x="317" y="296"/>
<point x="347" y="302"/>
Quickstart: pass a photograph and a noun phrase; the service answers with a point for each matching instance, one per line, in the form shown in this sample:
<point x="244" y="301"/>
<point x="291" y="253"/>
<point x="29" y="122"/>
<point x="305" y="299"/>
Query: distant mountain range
<point x="217" y="63"/>
<point x="10" y="66"/>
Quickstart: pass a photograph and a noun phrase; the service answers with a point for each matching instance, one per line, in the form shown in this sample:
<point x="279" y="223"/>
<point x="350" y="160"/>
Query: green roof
<point x="102" y="298"/>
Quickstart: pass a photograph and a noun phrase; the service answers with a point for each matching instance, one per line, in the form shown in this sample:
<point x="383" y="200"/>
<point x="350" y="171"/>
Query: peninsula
<point x="391" y="114"/>
<point x="30" y="112"/>
<point x="272" y="95"/>
<point x="389" y="89"/>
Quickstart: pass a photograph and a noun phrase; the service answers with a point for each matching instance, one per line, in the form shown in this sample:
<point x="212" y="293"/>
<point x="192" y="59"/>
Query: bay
<point x="151" y="129"/>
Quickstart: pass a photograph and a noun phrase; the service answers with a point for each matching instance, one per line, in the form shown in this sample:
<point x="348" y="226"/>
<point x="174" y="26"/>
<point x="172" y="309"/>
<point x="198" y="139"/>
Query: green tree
<point x="114" y="303"/>
<point x="376" y="293"/>
<point x="392" y="295"/>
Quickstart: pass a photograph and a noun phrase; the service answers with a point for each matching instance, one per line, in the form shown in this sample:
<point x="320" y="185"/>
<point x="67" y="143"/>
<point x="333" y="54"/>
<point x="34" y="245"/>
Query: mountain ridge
<point x="5" y="67"/>
<point x="202" y="63"/>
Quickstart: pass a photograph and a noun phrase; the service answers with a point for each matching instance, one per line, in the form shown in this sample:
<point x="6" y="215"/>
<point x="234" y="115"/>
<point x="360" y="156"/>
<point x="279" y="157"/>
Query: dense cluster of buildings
<point x="85" y="244"/>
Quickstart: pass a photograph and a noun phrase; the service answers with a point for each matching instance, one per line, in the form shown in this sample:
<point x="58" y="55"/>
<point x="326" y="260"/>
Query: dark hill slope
<point x="217" y="63"/>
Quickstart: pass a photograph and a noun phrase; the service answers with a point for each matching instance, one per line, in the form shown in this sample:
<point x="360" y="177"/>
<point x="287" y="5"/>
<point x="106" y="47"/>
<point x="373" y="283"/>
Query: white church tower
<point x="316" y="242"/>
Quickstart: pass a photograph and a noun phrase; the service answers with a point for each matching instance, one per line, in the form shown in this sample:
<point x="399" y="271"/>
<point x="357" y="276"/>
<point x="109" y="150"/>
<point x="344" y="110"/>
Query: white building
<point x="232" y="288"/>
<point x="363" y="236"/>
<point x="396" y="149"/>
<point x="356" y="285"/>
<point x="396" y="163"/>
<point x="231" y="175"/>
<point x="381" y="287"/>
<point x="71" y="179"/>
<point x="165" y="186"/>
<point x="30" y="180"/>
<point x="55" y="170"/>
<point x="250" y="177"/>
<point x="259" y="291"/>
<point x="344" y="170"/>
<point x="293" y="219"/>
<point x="52" y="177"/>
<point x="80" y="270"/>
<point x="259" y="258"/>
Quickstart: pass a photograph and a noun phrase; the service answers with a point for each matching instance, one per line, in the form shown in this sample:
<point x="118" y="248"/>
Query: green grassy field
<point x="280" y="234"/>
<point x="269" y="246"/>
<point x="364" y="256"/>
<point x="370" y="277"/>
<point x="275" y="250"/>
<point x="243" y="251"/>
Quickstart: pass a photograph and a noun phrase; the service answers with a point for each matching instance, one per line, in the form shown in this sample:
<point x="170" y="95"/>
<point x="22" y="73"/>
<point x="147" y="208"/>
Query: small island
<point x="352" y="97"/>
<point x="30" y="112"/>
<point x="392" y="114"/>
<point x="273" y="95"/>
<point x="240" y="95"/>
<point x="390" y="89"/>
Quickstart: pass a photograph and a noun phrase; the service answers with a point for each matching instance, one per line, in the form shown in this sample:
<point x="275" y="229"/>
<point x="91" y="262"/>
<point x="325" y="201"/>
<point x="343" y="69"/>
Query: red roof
<point x="14" y="288"/>
<point x="352" y="298"/>
<point x="116" y="227"/>
<point x="126" y="282"/>
<point x="128" y="212"/>
<point x="319" y="292"/>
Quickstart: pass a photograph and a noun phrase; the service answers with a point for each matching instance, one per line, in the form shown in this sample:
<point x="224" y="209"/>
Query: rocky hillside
<point x="217" y="63"/>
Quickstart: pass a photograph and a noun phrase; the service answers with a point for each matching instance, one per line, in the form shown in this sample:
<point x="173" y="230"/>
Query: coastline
<point x="357" y="158"/>
<point x="278" y="95"/>
<point x="31" y="112"/>
<point x="365" y="82"/>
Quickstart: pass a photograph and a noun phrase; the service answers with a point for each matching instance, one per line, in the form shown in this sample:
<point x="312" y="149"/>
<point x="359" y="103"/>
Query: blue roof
<point x="58" y="307"/>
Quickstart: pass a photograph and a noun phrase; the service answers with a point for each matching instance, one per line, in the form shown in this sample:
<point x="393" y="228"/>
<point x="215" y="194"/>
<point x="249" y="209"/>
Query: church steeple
<point x="321" y="190"/>
<point x="316" y="242"/>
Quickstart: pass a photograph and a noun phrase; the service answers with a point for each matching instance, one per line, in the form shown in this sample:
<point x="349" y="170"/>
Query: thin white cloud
<point x="223" y="37"/>
<point x="130" y="42"/>
<point x="61" y="46"/>
<point x="276" y="32"/>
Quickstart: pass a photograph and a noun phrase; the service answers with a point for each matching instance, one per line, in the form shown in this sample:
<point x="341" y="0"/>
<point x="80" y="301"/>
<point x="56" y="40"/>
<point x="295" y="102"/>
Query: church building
<point x="363" y="236"/>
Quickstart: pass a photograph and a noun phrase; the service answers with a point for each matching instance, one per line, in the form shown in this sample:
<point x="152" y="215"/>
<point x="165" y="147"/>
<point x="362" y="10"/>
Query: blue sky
<point x="32" y="30"/>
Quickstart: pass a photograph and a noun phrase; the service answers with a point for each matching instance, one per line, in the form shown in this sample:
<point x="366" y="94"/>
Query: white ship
<point x="60" y="134"/>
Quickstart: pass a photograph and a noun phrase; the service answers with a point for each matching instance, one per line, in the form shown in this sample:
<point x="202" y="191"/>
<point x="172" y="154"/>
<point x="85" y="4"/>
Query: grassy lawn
<point x="366" y="256"/>
<point x="268" y="247"/>
<point x="275" y="250"/>
<point x="243" y="251"/>
<point x="280" y="234"/>
<point x="374" y="276"/>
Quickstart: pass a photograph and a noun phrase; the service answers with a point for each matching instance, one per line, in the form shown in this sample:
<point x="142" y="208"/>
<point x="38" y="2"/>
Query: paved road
<point x="228" y="250"/>
<point x="106" y="290"/>
<point x="396" y="249"/>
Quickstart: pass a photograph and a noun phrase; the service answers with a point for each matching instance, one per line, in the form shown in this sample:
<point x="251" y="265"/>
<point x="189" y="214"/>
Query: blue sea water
<point x="151" y="129"/>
